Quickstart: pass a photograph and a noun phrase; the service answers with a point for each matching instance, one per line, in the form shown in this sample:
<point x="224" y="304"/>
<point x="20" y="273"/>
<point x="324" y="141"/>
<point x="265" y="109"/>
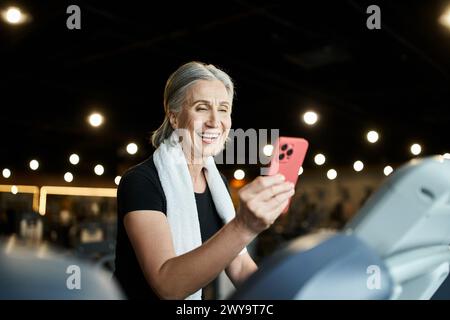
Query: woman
<point x="156" y="258"/>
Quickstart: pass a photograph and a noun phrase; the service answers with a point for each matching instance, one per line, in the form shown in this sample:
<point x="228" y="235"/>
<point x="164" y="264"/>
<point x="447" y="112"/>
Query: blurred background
<point x="78" y="106"/>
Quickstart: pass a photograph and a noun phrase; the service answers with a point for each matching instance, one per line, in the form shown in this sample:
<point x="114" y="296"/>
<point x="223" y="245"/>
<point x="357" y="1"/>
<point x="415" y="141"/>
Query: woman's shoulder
<point x="144" y="172"/>
<point x="144" y="168"/>
<point x="141" y="189"/>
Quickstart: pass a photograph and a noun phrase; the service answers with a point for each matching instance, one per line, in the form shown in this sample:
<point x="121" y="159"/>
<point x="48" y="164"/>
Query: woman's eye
<point x="201" y="108"/>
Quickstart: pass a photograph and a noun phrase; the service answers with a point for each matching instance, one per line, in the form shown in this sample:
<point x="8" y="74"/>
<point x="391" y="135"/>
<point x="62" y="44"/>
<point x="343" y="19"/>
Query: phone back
<point x="287" y="158"/>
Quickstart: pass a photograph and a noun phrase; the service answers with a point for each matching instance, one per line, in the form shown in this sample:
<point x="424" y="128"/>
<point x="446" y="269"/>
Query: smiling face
<point x="206" y="116"/>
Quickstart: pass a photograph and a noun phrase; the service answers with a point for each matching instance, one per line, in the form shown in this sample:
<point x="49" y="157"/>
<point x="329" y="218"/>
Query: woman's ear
<point x="173" y="120"/>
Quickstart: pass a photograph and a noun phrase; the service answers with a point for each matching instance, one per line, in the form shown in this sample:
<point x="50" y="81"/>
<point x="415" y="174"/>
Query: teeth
<point x="210" y="135"/>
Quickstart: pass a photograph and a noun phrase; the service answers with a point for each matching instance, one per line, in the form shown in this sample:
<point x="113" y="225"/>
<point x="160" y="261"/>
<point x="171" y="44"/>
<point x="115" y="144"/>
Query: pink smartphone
<point x="287" y="158"/>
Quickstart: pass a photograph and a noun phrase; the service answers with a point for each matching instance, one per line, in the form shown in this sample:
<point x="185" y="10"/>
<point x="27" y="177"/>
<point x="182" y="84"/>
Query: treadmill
<point x="396" y="247"/>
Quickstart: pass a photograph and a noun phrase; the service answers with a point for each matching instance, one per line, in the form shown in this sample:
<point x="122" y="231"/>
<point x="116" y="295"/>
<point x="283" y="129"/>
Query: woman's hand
<point x="262" y="201"/>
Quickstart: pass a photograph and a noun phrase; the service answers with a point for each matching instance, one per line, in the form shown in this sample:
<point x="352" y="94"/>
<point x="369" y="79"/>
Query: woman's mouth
<point x="209" y="137"/>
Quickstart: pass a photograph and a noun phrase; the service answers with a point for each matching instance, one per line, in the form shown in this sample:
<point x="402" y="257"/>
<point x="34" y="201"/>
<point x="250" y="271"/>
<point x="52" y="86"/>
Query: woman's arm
<point x="241" y="268"/>
<point x="176" y="277"/>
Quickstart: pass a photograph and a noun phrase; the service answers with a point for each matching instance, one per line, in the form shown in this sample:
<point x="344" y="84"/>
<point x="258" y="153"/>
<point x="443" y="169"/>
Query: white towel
<point x="182" y="214"/>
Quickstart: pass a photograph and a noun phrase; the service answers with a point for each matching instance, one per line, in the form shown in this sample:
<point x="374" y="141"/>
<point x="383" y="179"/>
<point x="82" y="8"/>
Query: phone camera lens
<point x="284" y="147"/>
<point x="290" y="152"/>
<point x="281" y="156"/>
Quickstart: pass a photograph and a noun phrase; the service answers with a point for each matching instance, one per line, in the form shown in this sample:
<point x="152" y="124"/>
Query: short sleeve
<point x="139" y="191"/>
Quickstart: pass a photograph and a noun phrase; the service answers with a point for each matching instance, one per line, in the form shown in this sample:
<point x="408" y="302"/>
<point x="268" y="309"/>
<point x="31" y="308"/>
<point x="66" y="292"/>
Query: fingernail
<point x="281" y="177"/>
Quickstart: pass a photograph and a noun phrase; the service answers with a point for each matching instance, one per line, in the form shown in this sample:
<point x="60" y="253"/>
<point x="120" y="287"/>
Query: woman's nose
<point x="213" y="120"/>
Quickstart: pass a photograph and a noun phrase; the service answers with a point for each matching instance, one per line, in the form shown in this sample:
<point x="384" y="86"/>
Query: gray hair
<point x="176" y="89"/>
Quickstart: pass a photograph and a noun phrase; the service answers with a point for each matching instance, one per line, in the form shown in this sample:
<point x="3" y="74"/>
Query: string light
<point x="416" y="149"/>
<point x="239" y="174"/>
<point x="310" y="118"/>
<point x="132" y="148"/>
<point x="372" y="136"/>
<point x="387" y="170"/>
<point x="14" y="16"/>
<point x="445" y="18"/>
<point x="14" y="190"/>
<point x="68" y="177"/>
<point x="95" y="119"/>
<point x="34" y="164"/>
<point x="331" y="174"/>
<point x="6" y="173"/>
<point x="267" y="150"/>
<point x="358" y="165"/>
<point x="99" y="170"/>
<point x="74" y="159"/>
<point x="319" y="159"/>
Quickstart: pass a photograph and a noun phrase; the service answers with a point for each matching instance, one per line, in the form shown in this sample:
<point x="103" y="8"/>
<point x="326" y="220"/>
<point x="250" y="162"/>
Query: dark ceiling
<point x="285" y="58"/>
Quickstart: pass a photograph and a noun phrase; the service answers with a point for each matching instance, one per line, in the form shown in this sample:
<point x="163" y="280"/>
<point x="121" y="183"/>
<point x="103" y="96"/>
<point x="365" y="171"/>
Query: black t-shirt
<point x="141" y="189"/>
